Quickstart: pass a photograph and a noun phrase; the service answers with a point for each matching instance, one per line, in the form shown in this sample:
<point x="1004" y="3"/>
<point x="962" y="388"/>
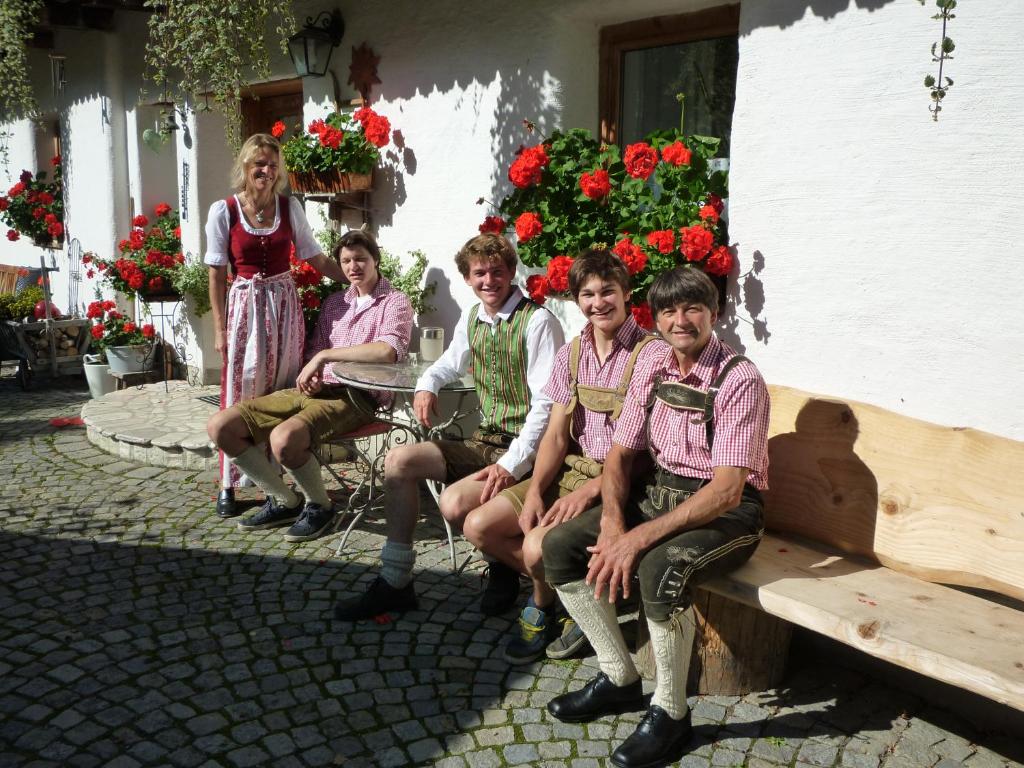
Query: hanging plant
<point x="942" y="51"/>
<point x="199" y="50"/>
<point x="17" y="17"/>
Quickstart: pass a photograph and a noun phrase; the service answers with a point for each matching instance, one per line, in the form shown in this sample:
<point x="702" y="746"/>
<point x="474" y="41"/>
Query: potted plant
<point x="657" y="204"/>
<point x="192" y="279"/>
<point x="127" y="345"/>
<point x="34" y="207"/>
<point x="336" y="154"/>
<point x="150" y="258"/>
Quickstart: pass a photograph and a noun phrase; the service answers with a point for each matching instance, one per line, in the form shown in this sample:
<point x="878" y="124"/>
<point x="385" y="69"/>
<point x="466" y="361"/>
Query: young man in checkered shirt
<point x="701" y="515"/>
<point x="370" y="322"/>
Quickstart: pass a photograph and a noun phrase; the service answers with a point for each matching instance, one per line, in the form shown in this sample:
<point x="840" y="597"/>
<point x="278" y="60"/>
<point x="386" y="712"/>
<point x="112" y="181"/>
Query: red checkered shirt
<point x="386" y="317"/>
<point x="593" y="430"/>
<point x="678" y="440"/>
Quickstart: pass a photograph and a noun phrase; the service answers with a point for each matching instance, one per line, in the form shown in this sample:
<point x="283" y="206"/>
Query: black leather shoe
<point x="380" y="598"/>
<point x="502" y="590"/>
<point x="597" y="698"/>
<point x="658" y="740"/>
<point x="226" y="506"/>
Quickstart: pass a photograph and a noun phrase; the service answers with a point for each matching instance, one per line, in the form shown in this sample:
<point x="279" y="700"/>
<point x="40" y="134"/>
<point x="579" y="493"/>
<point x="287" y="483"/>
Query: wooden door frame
<point x="616" y="40"/>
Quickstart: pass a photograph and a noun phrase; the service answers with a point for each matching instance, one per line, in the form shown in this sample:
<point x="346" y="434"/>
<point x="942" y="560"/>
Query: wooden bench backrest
<point x="942" y="504"/>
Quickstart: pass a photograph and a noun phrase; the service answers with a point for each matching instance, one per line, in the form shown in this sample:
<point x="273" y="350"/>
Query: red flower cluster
<point x="311" y="287"/>
<point x="537" y="287"/>
<point x="529" y="166"/>
<point x="112" y="329"/>
<point x="632" y="255"/>
<point x="149" y="258"/>
<point x="695" y="242"/>
<point x="277" y="129"/>
<point x="376" y="128"/>
<point x="662" y="240"/>
<point x="716" y="202"/>
<point x="640" y="159"/>
<point x="708" y="213"/>
<point x="719" y="262"/>
<point x="528" y="225"/>
<point x="34" y="207"/>
<point x="595" y="185"/>
<point x="642" y="315"/>
<point x="558" y="273"/>
<point x="676" y="154"/>
<point x="494" y="224"/>
<point x="328" y="135"/>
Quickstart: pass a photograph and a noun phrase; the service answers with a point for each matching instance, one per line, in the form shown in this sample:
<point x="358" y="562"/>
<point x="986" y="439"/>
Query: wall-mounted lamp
<point x="311" y="46"/>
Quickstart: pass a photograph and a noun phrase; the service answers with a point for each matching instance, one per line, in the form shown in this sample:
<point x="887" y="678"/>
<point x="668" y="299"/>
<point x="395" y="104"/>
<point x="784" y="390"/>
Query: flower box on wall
<point x="329" y="182"/>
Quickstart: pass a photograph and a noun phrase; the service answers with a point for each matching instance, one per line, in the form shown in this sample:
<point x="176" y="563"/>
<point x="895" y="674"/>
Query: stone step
<point x="162" y="424"/>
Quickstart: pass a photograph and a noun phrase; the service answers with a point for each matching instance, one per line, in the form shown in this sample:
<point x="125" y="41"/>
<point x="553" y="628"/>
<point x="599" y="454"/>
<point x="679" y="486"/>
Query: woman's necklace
<point x="258" y="212"/>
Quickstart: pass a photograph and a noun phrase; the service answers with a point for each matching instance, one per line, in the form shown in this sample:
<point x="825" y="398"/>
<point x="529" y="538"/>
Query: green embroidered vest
<point x="498" y="364"/>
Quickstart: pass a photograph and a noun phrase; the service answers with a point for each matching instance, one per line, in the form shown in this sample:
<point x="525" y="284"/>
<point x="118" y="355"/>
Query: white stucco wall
<point x="890" y="241"/>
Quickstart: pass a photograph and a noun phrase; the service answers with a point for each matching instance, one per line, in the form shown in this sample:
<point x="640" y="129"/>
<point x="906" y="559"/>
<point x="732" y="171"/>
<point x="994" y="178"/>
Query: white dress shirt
<point x="544" y="337"/>
<point x="218" y="223"/>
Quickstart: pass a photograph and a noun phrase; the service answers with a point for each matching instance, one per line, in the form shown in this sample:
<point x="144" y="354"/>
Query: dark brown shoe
<point x="658" y="740"/>
<point x="597" y="698"/>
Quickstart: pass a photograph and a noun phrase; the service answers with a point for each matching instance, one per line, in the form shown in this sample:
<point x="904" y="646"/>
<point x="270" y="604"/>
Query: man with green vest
<point x="508" y="343"/>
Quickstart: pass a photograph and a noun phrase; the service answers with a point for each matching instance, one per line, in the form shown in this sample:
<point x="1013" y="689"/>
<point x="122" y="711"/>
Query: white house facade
<point x="876" y="246"/>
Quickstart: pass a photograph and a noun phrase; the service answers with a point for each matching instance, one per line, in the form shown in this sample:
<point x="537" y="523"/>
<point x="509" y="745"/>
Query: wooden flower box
<point x="329" y="182"/>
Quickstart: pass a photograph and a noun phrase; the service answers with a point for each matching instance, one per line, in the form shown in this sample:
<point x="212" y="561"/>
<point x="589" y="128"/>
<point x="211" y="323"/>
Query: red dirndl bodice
<point x="265" y="255"/>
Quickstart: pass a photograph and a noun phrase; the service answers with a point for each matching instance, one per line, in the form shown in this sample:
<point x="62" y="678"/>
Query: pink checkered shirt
<point x="679" y="442"/>
<point x="592" y="429"/>
<point x="387" y="317"/>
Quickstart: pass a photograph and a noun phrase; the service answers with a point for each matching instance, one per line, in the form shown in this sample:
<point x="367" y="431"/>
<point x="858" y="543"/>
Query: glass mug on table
<point x="431" y="344"/>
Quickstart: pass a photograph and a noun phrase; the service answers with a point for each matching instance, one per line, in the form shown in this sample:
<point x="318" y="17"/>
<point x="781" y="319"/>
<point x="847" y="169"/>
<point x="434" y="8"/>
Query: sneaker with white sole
<point x="314" y="521"/>
<point x="270" y="515"/>
<point x="571" y="642"/>
<point x="531" y="634"/>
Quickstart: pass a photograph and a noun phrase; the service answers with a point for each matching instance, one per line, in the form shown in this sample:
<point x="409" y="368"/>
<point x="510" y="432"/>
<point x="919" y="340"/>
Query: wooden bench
<point x="869" y="515"/>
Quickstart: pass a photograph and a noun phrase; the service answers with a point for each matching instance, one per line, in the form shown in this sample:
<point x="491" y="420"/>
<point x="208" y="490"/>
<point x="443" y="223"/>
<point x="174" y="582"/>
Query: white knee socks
<point x="597" y="620"/>
<point x="311" y="482"/>
<point x="672" y="643"/>
<point x="254" y="462"/>
<point x="397" y="561"/>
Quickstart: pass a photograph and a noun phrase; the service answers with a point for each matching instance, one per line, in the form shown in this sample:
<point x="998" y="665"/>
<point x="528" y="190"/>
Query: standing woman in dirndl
<point x="259" y="327"/>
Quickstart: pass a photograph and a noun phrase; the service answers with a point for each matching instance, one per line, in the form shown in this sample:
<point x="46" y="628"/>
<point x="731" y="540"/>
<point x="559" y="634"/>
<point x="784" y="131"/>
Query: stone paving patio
<point x="137" y="629"/>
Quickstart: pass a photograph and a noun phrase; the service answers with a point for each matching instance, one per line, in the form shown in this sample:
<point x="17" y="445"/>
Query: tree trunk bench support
<point x="870" y="513"/>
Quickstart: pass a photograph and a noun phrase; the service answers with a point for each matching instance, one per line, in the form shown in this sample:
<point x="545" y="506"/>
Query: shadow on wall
<point x="747" y="291"/>
<point x="785" y="13"/>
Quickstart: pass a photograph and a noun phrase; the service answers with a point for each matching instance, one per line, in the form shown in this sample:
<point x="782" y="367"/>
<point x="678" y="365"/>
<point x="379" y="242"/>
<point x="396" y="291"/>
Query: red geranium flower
<point x="528" y="226"/>
<point x="716" y="202"/>
<point x="631" y="254"/>
<point x="558" y="273"/>
<point x="162" y="209"/>
<point x="4" y="202"/>
<point x="377" y="130"/>
<point x="55" y="161"/>
<point x="363" y="115"/>
<point x="494" y="224"/>
<point x="537" y="287"/>
<point x="719" y="262"/>
<point x="317" y="127"/>
<point x="277" y="129"/>
<point x="26" y="177"/>
<point x="129" y="326"/>
<point x="642" y="315"/>
<point x="12" y="235"/>
<point x="140" y="221"/>
<point x="50" y="218"/>
<point x="595" y="185"/>
<point x="97" y="331"/>
<point x="640" y="160"/>
<point x="676" y="154"/>
<point x="148" y="331"/>
<point x="38" y="213"/>
<point x="136" y="239"/>
<point x="16" y="190"/>
<point x="528" y="167"/>
<point x="662" y="240"/>
<point x="696" y="242"/>
<point x="56" y="229"/>
<point x="708" y="213"/>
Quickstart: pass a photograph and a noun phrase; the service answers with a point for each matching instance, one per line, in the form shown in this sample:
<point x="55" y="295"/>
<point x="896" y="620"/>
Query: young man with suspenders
<point x="703" y="413"/>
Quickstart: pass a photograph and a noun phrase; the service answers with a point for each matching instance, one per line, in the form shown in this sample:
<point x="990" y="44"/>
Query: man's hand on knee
<point x="495" y="479"/>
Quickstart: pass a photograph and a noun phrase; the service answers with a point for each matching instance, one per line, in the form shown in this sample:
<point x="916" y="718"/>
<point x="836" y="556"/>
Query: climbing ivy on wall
<point x="208" y="50"/>
<point x="941" y="53"/>
<point x="17" y="17"/>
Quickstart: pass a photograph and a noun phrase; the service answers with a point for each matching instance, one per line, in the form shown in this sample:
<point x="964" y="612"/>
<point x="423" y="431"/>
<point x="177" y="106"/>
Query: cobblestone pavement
<point x="136" y="629"/>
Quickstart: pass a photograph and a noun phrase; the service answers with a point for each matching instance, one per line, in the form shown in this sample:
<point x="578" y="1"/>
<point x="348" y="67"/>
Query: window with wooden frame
<point x="264" y="104"/>
<point x="646" y="63"/>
